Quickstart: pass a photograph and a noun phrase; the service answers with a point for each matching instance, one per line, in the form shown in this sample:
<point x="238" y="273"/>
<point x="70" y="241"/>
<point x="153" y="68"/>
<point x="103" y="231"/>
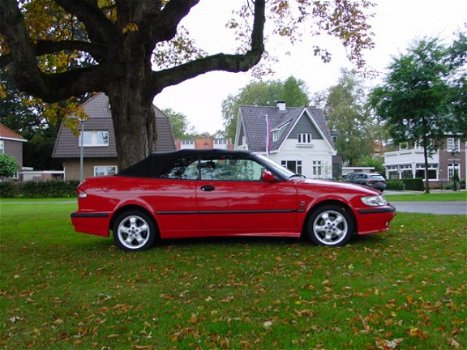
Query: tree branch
<point x="224" y="62"/>
<point x="21" y="54"/>
<point x="99" y="28"/>
<point x="48" y="46"/>
<point x="165" y="27"/>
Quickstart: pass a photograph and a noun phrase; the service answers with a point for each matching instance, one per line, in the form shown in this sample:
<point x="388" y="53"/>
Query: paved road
<point x="441" y="208"/>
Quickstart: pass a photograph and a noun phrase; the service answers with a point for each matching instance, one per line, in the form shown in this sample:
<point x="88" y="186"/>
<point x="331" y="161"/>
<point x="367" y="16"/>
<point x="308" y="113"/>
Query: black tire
<point x="134" y="231"/>
<point x="330" y="225"/>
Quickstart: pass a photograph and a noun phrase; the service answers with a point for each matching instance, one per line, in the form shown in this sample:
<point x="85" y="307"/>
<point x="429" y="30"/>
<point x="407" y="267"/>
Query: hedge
<point x="35" y="189"/>
<point x="413" y="184"/>
<point x="395" y="185"/>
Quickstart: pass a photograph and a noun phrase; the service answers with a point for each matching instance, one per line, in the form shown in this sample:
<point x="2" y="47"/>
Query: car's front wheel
<point x="134" y="231"/>
<point x="330" y="225"/>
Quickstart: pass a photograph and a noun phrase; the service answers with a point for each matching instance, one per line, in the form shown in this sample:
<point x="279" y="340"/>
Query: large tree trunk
<point x="134" y="125"/>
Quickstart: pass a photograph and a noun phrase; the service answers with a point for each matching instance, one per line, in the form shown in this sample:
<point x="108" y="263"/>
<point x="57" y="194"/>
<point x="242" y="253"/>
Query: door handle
<point x="208" y="188"/>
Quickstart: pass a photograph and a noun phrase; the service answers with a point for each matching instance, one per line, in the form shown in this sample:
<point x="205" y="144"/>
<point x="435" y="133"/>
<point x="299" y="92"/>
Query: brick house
<point x="11" y="143"/>
<point x="406" y="161"/>
<point x="100" y="153"/>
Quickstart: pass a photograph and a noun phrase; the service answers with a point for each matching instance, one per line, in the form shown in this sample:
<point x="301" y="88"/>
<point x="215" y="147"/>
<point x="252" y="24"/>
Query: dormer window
<point x="94" y="139"/>
<point x="275" y="135"/>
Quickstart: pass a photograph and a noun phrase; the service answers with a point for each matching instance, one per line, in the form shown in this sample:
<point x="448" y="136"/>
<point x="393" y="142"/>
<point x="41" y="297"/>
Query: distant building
<point x="298" y="138"/>
<point x="11" y="143"/>
<point x="100" y="152"/>
<point x="205" y="142"/>
<point x="406" y="161"/>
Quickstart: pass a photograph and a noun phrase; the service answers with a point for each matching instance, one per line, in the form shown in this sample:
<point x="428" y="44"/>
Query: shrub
<point x="49" y="189"/>
<point x="35" y="189"/>
<point x="8" y="165"/>
<point x="396" y="185"/>
<point x="413" y="184"/>
<point x="8" y="189"/>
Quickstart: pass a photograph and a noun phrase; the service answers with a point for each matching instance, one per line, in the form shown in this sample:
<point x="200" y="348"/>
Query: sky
<point x="396" y="24"/>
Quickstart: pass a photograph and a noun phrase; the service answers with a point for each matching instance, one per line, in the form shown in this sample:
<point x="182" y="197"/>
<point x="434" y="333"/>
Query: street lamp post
<point x="81" y="151"/>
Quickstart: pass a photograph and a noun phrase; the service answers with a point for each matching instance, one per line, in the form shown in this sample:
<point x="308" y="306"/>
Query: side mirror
<point x="267" y="176"/>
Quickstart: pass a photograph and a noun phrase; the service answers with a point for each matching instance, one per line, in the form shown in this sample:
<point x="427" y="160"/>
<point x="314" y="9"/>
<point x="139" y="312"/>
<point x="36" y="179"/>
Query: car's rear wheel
<point x="134" y="231"/>
<point x="330" y="225"/>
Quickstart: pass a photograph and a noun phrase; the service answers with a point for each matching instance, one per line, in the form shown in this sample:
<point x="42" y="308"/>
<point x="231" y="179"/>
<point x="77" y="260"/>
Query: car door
<point x="173" y="197"/>
<point x="234" y="200"/>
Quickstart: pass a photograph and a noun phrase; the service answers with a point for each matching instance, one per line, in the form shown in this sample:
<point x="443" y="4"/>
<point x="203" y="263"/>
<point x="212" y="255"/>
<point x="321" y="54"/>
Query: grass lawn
<point x="428" y="197"/>
<point x="401" y="289"/>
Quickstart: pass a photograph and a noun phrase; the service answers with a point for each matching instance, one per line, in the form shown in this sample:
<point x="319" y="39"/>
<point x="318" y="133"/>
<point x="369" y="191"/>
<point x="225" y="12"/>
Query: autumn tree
<point x="422" y="96"/>
<point x="135" y="49"/>
<point x="263" y="93"/>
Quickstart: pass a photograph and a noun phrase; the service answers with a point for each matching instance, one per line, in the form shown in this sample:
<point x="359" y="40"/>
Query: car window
<point x="183" y="168"/>
<point x="377" y="177"/>
<point x="230" y="169"/>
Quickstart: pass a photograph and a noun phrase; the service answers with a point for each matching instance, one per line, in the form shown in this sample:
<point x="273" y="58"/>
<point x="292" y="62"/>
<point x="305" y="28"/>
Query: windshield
<point x="286" y="173"/>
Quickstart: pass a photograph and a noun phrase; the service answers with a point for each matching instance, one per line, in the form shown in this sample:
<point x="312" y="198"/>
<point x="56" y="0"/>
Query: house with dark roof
<point x="11" y="143"/>
<point x="298" y="138"/>
<point x="99" y="147"/>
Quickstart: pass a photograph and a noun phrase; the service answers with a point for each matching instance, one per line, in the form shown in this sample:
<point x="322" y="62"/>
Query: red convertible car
<point x="207" y="193"/>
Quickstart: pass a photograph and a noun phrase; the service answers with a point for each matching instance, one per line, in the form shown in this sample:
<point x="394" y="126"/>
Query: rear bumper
<point x="94" y="223"/>
<point x="372" y="220"/>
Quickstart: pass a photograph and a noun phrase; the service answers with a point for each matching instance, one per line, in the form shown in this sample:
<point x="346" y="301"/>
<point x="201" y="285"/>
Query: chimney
<point x="281" y="105"/>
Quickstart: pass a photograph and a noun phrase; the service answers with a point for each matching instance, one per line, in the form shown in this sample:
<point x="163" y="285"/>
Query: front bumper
<point x="372" y="220"/>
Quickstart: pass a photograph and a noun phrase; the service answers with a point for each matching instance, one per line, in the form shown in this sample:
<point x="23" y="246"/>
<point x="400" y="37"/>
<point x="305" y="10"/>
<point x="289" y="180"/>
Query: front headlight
<point x="374" y="201"/>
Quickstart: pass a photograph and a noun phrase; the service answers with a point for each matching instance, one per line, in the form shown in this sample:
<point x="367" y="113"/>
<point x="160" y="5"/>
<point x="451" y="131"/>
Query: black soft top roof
<point x="158" y="163"/>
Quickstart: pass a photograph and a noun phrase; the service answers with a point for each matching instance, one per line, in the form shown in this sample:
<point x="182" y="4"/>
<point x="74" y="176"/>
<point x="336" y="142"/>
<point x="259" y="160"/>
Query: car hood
<point x="336" y="186"/>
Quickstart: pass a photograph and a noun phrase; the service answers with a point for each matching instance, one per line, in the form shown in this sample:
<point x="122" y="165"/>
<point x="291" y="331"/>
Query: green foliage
<point x="395" y="185"/>
<point x="413" y="184"/>
<point x="75" y="291"/>
<point x="376" y="162"/>
<point x="263" y="93"/>
<point x="8" y="165"/>
<point x="347" y="114"/>
<point x="423" y="97"/>
<point x="8" y="189"/>
<point x="181" y="127"/>
<point x="39" y="189"/>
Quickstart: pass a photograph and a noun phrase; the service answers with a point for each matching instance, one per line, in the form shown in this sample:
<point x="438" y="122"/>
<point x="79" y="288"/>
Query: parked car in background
<point x="206" y="193"/>
<point x="374" y="180"/>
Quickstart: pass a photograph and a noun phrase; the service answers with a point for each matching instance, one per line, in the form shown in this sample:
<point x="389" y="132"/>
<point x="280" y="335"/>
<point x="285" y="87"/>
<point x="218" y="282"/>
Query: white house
<point x="298" y="138"/>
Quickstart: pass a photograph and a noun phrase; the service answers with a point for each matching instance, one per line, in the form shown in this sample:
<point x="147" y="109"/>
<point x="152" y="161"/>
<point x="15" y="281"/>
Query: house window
<point x="453" y="144"/>
<point x="94" y="139"/>
<point x="220" y="141"/>
<point x="187" y="144"/>
<point x="275" y="135"/>
<point x="2" y="147"/>
<point x="432" y="171"/>
<point x="104" y="170"/>
<point x="294" y="166"/>
<point x="453" y="168"/>
<point x="304" y="138"/>
<point x="317" y="168"/>
<point x="406" y="171"/>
